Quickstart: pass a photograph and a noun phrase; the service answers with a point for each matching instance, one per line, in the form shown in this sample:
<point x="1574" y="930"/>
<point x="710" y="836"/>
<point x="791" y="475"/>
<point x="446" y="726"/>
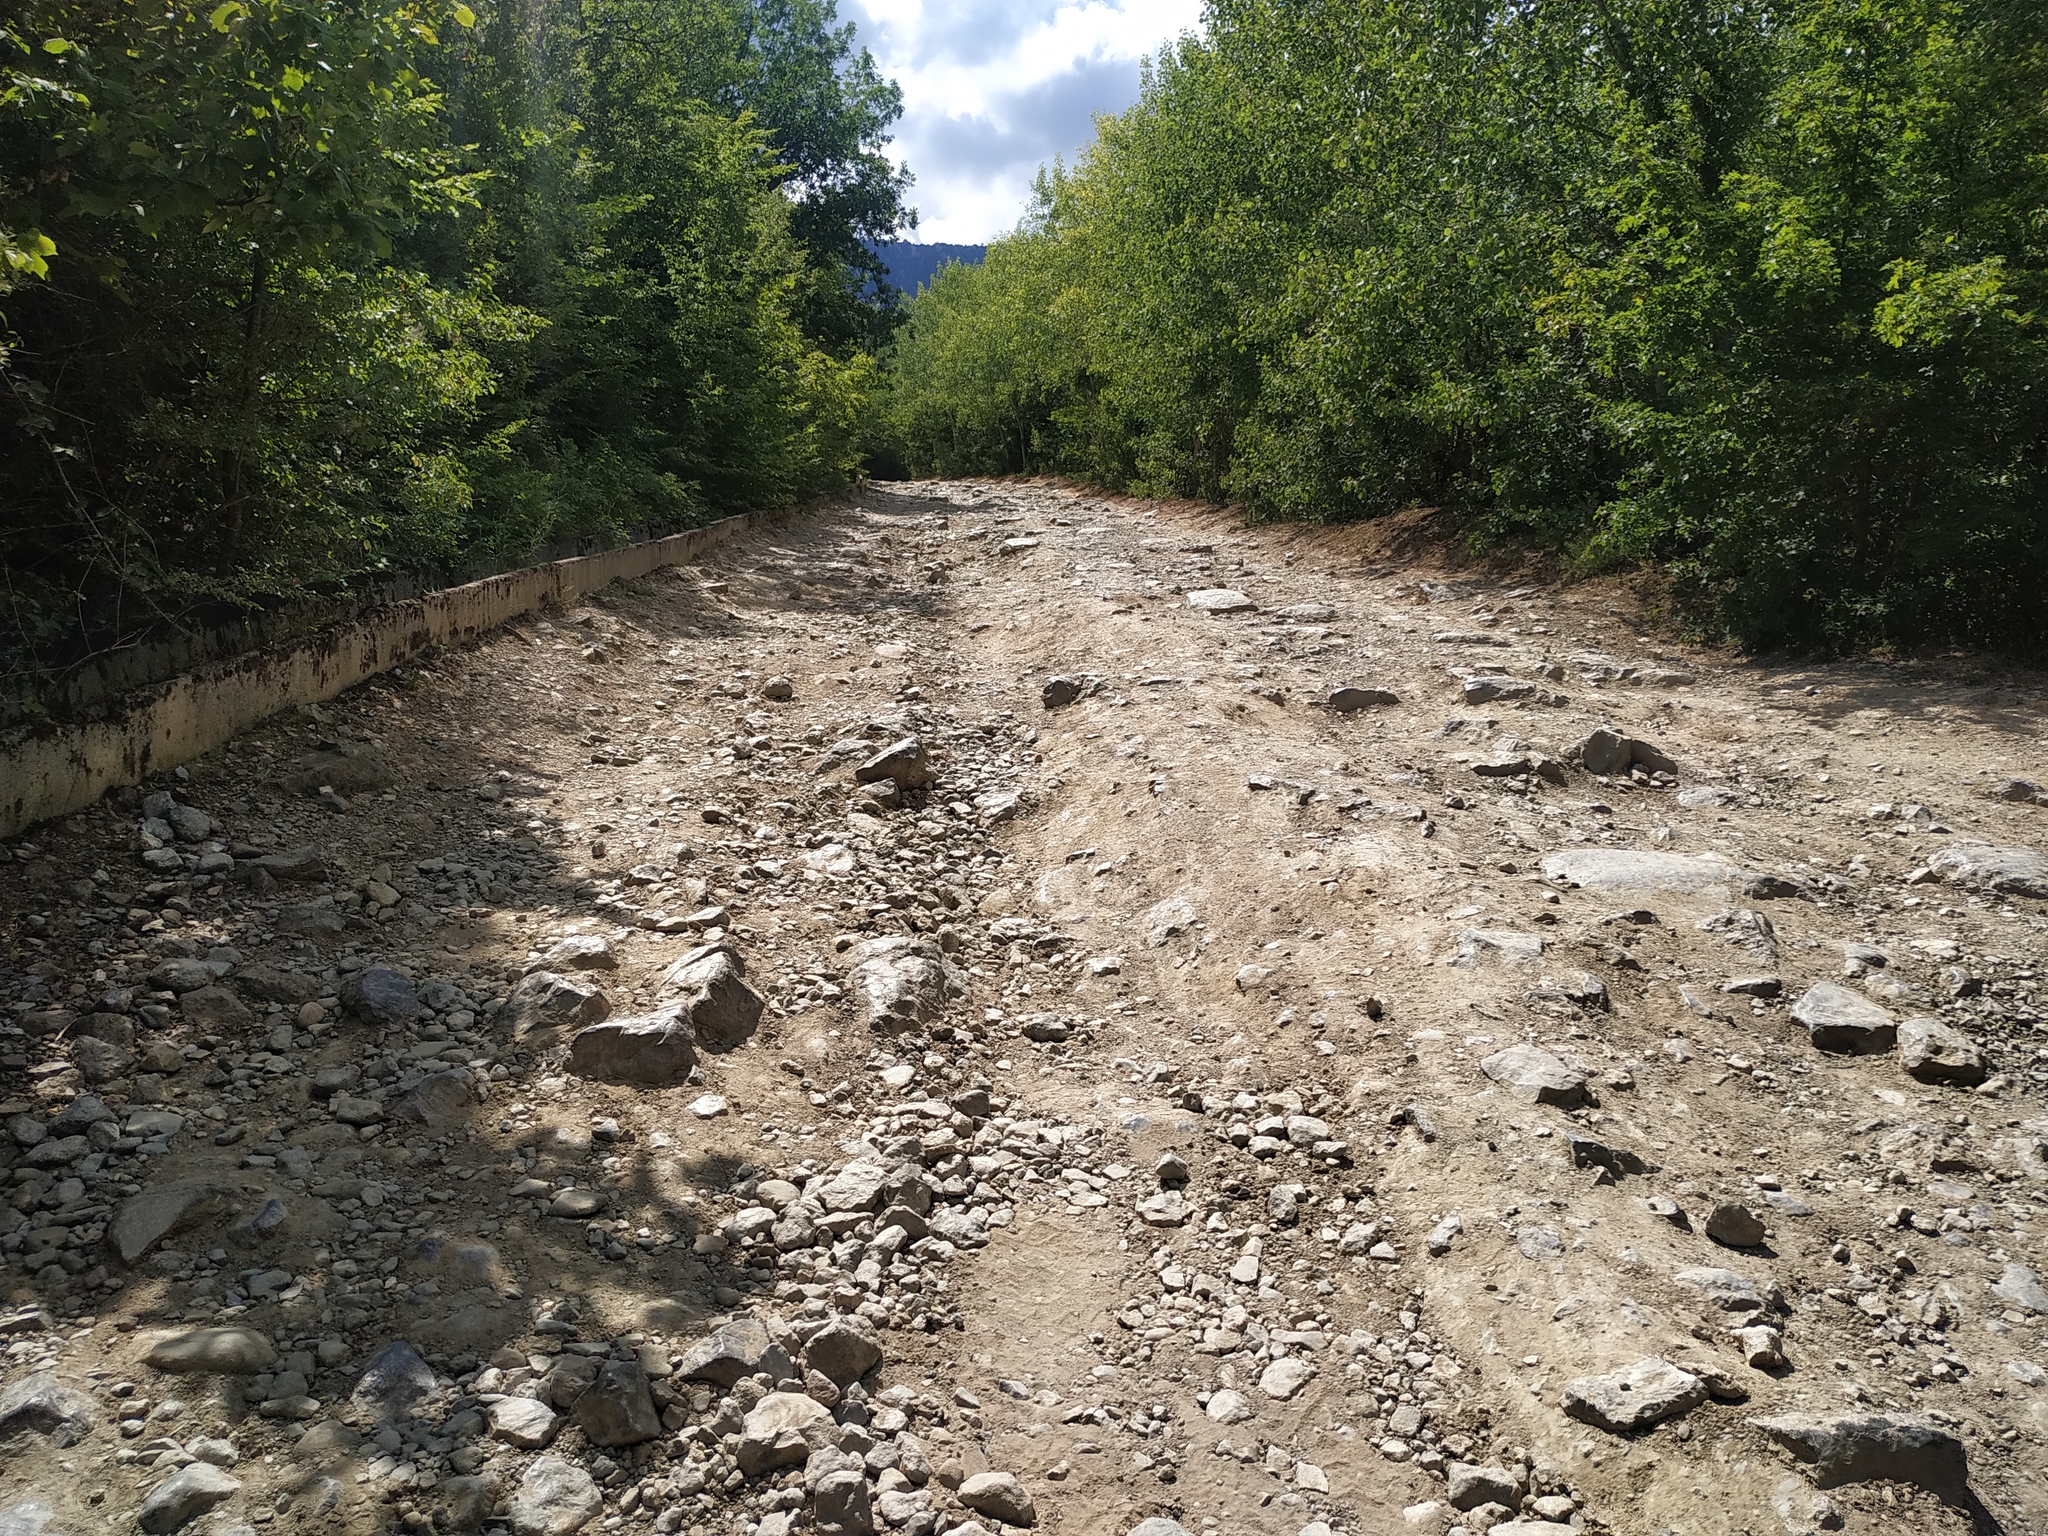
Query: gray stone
<point x="311" y="919"/>
<point x="1646" y="1393"/>
<point x="740" y="1348"/>
<point x="350" y="1110"/>
<point x="1159" y="1525"/>
<point x="1059" y="692"/>
<point x="578" y="1204"/>
<point x="782" y="1430"/>
<point x="546" y="1001"/>
<point x="1734" y="1224"/>
<point x="1228" y="1407"/>
<point x="216" y="1351"/>
<point x="1724" y="1288"/>
<point x="1472" y="1486"/>
<point x="1931" y="1052"/>
<point x="577" y="952"/>
<point x="905" y="761"/>
<point x="1285" y="1377"/>
<point x="1217" y="601"/>
<point x="650" y="1051"/>
<point x="1852" y="1448"/>
<point x="379" y="995"/>
<point x="181" y="975"/>
<point x="465" y="1503"/>
<point x="2021" y="1287"/>
<point x="619" y="1407"/>
<point x="1587" y="1152"/>
<point x="1000" y="1496"/>
<point x="1479" y="947"/>
<point x="1536" y="1076"/>
<point x="1621" y="871"/>
<point x="554" y="1498"/>
<point x="1349" y="700"/>
<point x="184" y="1496"/>
<point x="270" y="984"/>
<point x="348" y="768"/>
<point x="714" y="996"/>
<point x="1167" y="1208"/>
<point x="1837" y="1019"/>
<point x="150" y="1217"/>
<point x="438" y="1101"/>
<point x="41" y="1403"/>
<point x="522" y="1422"/>
<point x="2007" y="871"/>
<point x="394" y="1383"/>
<point x="1168" y="919"/>
<point x="842" y="1352"/>
<point x="26" y="1517"/>
<point x="1608" y="752"/>
<point x="215" y="1010"/>
<point x="904" y="982"/>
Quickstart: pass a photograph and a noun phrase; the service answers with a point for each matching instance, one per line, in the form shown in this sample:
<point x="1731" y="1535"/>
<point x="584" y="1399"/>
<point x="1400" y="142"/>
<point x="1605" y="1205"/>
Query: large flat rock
<point x="1860" y="1448"/>
<point x="1624" y="872"/>
<point x="2008" y="871"/>
<point x="1840" y="1020"/>
<point x="1646" y="1393"/>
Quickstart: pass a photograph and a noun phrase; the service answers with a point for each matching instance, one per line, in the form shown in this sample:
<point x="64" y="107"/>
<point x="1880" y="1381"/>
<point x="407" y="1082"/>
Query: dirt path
<point x="1213" y="1095"/>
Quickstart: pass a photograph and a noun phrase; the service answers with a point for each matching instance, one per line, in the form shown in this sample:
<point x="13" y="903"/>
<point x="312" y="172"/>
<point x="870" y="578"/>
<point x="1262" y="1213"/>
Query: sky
<point x="992" y="89"/>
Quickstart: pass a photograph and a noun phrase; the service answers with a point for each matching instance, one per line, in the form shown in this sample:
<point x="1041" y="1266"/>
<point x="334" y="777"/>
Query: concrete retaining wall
<point x="53" y="770"/>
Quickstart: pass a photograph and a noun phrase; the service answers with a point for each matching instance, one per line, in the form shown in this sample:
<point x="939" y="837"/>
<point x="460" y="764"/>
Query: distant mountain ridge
<point x="913" y="265"/>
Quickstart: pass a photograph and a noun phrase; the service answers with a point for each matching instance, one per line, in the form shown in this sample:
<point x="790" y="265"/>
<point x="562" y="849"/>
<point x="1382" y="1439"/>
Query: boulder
<point x="842" y="1352"/>
<point x="782" y="1430"/>
<point x="576" y="952"/>
<point x="1724" y="1288"/>
<point x="904" y="982"/>
<point x="1000" y="1496"/>
<point x="2019" y="1286"/>
<point x="215" y="1010"/>
<point x="1837" y="1019"/>
<point x="618" y="1408"/>
<point x="1643" y="1394"/>
<point x="713" y="995"/>
<point x="1609" y="751"/>
<point x="652" y="1051"/>
<point x="347" y="767"/>
<point x="1472" y="1486"/>
<point x="148" y="1218"/>
<point x="1536" y="1076"/>
<point x="393" y="1384"/>
<point x="217" y="1351"/>
<point x="184" y="1496"/>
<point x="2006" y="871"/>
<point x="1285" y="1377"/>
<point x="905" y="761"/>
<point x="1932" y="1052"/>
<point x="1621" y="871"/>
<point x="1228" y="1407"/>
<point x="1059" y="692"/>
<point x="1217" y="601"/>
<point x="379" y="995"/>
<point x="544" y="1000"/>
<point x="1481" y="947"/>
<point x="554" y="1498"/>
<point x="41" y="1403"/>
<point x="1350" y="699"/>
<point x="438" y="1101"/>
<point x="740" y="1348"/>
<point x="521" y="1422"/>
<point x="1734" y="1224"/>
<point x="1861" y="1448"/>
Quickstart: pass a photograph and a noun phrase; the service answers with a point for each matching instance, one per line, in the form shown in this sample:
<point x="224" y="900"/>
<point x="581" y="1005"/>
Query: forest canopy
<point x="1751" y="291"/>
<point x="293" y="291"/>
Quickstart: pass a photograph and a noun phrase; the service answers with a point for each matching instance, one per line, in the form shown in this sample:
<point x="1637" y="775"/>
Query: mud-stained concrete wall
<point x="55" y="769"/>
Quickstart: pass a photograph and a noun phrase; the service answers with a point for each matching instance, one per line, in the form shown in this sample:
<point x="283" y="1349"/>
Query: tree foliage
<point x="1753" y="290"/>
<point x="299" y="290"/>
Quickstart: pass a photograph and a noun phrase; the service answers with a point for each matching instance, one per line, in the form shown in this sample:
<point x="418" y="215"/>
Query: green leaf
<point x="223" y="14"/>
<point x="465" y="15"/>
<point x="57" y="45"/>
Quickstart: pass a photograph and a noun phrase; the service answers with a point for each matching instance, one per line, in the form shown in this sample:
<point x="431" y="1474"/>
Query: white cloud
<point x="992" y="90"/>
